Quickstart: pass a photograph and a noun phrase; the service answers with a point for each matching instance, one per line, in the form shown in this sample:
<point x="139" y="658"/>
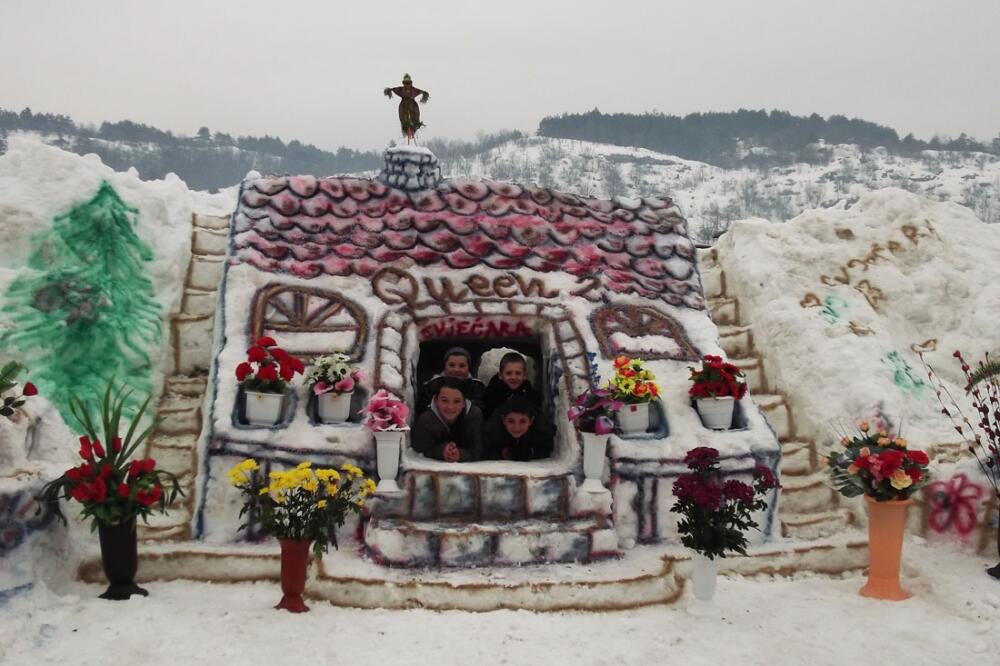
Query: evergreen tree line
<point x="725" y="139"/>
<point x="205" y="161"/>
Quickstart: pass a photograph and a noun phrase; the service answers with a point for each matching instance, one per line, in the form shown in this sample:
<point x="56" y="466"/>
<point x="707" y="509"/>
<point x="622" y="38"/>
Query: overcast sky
<point x="314" y="70"/>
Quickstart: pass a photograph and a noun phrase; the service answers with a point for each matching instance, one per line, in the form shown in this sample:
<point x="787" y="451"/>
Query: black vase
<point x="120" y="558"/>
<point x="995" y="571"/>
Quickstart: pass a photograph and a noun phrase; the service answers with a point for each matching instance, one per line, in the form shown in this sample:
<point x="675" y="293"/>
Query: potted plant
<point x="882" y="467"/>
<point x="387" y="421"/>
<point x="716" y="387"/>
<point x="716" y="513"/>
<point x="8" y="377"/>
<point x="332" y="380"/>
<point x="634" y="386"/>
<point x="982" y="385"/>
<point x="300" y="506"/>
<point x="263" y="378"/>
<point x="112" y="487"/>
<point x="592" y="413"/>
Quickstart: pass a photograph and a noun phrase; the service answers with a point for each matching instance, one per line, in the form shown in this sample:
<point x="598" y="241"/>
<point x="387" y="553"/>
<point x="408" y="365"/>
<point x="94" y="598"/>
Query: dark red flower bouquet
<point x="274" y="367"/>
<point x="112" y="487"/>
<point x="717" y="379"/>
<point x="717" y="512"/>
<point x="877" y="464"/>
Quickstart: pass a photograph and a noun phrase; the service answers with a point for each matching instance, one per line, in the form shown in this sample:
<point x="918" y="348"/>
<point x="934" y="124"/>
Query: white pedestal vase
<point x="334" y="407"/>
<point x="263" y="408"/>
<point x="633" y="419"/>
<point x="716" y="413"/>
<point x="594" y="449"/>
<point x="388" y="444"/>
<point x="703" y="575"/>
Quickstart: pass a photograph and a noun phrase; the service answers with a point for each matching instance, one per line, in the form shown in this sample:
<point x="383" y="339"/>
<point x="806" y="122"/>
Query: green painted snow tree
<point x="87" y="311"/>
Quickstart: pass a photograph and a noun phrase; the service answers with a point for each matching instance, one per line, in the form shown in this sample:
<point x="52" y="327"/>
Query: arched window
<point x="309" y="321"/>
<point x="637" y="330"/>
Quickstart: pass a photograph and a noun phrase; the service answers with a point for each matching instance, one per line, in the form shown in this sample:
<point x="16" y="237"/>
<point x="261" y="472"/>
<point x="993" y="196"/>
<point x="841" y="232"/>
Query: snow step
<point x="724" y="311"/>
<point x="707" y="257"/>
<point x="215" y="222"/>
<point x="816" y="525"/>
<point x="736" y="341"/>
<point x="205" y="272"/>
<point x="753" y="369"/>
<point x="807" y="494"/>
<point x="797" y="458"/>
<point x="432" y="495"/>
<point x="775" y="410"/>
<point x="209" y="242"/>
<point x="181" y="415"/>
<point x="459" y="544"/>
<point x="713" y="282"/>
<point x="199" y="302"/>
<point x="193" y="387"/>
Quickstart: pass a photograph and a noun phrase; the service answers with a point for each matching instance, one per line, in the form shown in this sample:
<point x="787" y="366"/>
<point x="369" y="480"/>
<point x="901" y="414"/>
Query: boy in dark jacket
<point x="458" y="364"/>
<point x="511" y="380"/>
<point x="451" y="430"/>
<point x="516" y="433"/>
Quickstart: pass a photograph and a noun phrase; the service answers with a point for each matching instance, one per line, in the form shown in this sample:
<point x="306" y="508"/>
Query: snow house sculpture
<point x="393" y="271"/>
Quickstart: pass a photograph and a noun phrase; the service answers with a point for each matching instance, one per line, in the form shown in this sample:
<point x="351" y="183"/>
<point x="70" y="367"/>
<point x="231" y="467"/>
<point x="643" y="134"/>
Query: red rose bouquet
<point x="716" y="512"/>
<point x="877" y="464"/>
<point x="111" y="486"/>
<point x="268" y="367"/>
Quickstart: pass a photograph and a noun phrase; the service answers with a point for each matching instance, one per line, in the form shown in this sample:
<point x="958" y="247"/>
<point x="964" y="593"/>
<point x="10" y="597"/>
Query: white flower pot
<point x="634" y="419"/>
<point x="703" y="575"/>
<point x="387" y="448"/>
<point x="263" y="408"/>
<point x="334" y="407"/>
<point x="594" y="448"/>
<point x="716" y="413"/>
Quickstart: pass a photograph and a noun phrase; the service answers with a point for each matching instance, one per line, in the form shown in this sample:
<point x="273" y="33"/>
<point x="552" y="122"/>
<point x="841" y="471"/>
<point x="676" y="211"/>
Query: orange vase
<point x="886" y="523"/>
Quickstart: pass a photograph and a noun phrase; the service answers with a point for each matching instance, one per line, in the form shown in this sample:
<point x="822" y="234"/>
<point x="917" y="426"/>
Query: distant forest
<point x="745" y="138"/>
<point x="206" y="161"/>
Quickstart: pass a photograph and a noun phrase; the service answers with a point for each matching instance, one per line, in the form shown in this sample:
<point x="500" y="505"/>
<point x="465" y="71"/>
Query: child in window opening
<point x="516" y="433"/>
<point x="457" y="364"/>
<point x="451" y="430"/>
<point x="511" y="380"/>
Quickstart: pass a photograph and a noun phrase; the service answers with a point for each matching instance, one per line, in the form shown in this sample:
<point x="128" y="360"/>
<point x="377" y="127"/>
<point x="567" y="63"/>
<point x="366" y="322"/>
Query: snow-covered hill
<point x="713" y="197"/>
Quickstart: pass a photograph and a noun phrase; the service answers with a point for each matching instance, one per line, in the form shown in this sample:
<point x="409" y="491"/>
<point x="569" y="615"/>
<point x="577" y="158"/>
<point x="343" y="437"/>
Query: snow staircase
<point x="174" y="443"/>
<point x="480" y="519"/>
<point x="809" y="507"/>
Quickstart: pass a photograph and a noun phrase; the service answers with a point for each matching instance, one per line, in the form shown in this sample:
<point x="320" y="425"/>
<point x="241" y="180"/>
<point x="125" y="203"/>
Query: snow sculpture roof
<point x="308" y="226"/>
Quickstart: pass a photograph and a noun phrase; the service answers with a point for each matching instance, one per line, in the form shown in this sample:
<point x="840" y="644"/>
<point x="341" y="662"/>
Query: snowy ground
<point x="953" y="619"/>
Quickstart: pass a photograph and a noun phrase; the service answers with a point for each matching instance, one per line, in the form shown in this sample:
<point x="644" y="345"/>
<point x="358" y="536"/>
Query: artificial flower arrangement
<point x="631" y="382"/>
<point x="593" y="411"/>
<point x="877" y="464"/>
<point x="333" y="373"/>
<point x="717" y="379"/>
<point x="110" y="485"/>
<point x="10" y="403"/>
<point x="268" y="368"/>
<point x="386" y="413"/>
<point x="716" y="513"/>
<point x="301" y="504"/>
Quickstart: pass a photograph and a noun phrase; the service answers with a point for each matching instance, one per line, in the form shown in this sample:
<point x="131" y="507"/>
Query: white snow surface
<point x="951" y="619"/>
<point x="943" y="284"/>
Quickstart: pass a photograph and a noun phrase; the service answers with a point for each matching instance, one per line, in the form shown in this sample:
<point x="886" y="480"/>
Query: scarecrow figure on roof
<point x="409" y="112"/>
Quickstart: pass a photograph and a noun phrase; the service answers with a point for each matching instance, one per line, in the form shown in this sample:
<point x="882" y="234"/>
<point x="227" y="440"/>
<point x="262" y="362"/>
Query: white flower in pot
<point x="332" y="380"/>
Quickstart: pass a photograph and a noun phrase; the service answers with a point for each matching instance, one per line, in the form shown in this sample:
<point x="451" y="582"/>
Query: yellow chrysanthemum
<point x="304" y="465"/>
<point x="327" y="475"/>
<point x="352" y="471"/>
<point x="331" y="489"/>
<point x="367" y="487"/>
<point x="321" y="504"/>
